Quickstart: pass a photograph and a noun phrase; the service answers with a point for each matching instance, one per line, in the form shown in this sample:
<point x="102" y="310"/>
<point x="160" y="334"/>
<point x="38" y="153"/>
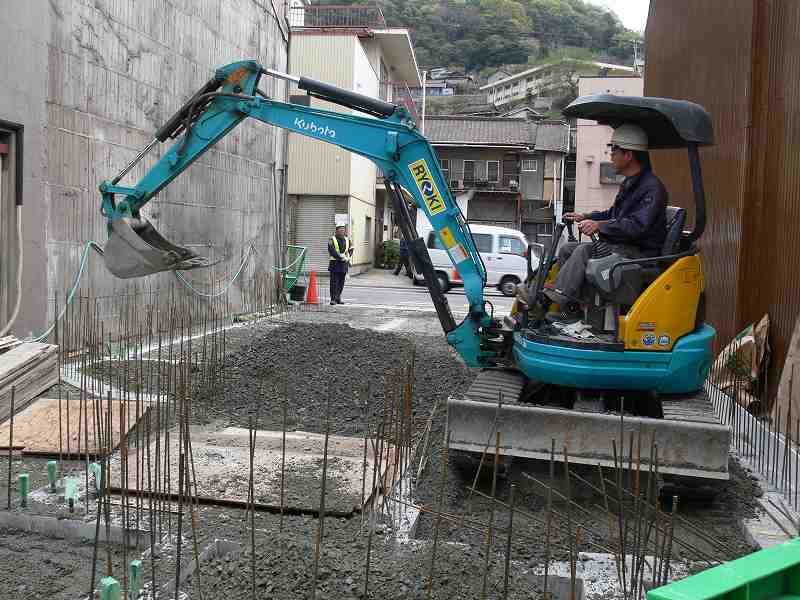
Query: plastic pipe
<point x="110" y="589"/>
<point x="22" y="480"/>
<point x="52" y="465"/>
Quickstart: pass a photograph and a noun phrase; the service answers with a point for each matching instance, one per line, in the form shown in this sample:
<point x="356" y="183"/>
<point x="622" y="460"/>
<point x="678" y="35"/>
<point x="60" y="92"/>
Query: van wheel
<point x="444" y="282"/>
<point x="508" y="285"/>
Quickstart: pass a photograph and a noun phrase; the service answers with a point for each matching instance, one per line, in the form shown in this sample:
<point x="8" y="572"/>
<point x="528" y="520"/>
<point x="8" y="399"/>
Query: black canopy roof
<point x="669" y="123"/>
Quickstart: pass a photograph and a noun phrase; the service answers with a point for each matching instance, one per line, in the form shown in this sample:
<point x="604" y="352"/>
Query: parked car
<point x="504" y="253"/>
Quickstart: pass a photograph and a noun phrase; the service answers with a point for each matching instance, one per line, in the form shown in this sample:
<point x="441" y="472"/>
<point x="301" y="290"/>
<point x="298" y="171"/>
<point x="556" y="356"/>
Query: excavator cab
<point x="639" y="312"/>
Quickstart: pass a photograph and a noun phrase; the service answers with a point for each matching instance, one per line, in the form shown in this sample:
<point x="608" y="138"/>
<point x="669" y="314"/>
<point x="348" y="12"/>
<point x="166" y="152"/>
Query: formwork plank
<point x="36" y="428"/>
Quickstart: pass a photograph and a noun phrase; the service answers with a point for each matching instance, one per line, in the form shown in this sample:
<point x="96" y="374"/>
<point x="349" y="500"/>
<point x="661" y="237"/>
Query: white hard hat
<point x="629" y="137"/>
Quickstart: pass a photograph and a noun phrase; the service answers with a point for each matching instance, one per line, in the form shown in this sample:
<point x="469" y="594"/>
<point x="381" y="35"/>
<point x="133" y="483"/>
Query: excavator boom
<point x="391" y="141"/>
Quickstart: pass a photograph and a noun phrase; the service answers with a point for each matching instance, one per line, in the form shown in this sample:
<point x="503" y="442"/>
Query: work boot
<point x="333" y="302"/>
<point x="339" y="301"/>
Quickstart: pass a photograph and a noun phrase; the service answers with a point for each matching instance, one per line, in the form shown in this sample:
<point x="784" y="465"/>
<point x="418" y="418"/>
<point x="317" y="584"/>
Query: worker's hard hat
<point x="629" y="137"/>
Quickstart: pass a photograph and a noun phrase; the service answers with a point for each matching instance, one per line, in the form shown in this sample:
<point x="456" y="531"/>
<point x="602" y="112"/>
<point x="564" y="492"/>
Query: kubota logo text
<point x="427" y="187"/>
<point x="311" y="127"/>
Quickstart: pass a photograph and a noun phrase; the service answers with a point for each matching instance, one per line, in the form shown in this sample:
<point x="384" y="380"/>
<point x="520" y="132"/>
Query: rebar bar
<point x="10" y="445"/>
<point x="321" y="528"/>
<point x="490" y="530"/>
<point x="440" y="503"/>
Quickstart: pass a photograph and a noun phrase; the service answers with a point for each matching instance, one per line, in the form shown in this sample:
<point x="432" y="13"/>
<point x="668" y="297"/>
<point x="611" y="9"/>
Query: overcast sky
<point x="632" y="13"/>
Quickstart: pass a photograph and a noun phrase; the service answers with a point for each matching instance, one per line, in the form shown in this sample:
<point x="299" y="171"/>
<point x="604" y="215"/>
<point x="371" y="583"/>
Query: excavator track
<point x="692" y="441"/>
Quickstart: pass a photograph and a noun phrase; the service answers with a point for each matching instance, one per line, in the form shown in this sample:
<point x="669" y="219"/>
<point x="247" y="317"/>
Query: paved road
<point x="416" y="298"/>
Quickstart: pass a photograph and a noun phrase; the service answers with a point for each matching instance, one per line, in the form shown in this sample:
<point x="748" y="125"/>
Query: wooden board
<point x="221" y="462"/>
<point x="30" y="369"/>
<point x="8" y="342"/>
<point x="784" y="399"/>
<point x="36" y="428"/>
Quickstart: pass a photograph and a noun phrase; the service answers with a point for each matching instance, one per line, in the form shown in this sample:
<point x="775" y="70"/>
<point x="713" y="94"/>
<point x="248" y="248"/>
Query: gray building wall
<point x="91" y="82"/>
<point x="23" y="61"/>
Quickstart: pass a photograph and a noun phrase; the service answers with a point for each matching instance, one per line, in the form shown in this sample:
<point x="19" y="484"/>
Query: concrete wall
<point x="590" y="194"/>
<point x="91" y="82"/>
<point x="23" y="62"/>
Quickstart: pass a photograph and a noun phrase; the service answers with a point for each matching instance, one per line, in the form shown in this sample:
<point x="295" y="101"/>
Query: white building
<point x="542" y="79"/>
<point x="350" y="47"/>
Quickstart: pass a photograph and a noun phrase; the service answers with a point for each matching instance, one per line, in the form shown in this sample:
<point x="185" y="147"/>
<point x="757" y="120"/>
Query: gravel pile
<point x="331" y="363"/>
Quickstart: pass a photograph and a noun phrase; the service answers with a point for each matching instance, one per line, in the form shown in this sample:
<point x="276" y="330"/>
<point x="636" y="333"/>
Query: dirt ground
<point x="337" y="376"/>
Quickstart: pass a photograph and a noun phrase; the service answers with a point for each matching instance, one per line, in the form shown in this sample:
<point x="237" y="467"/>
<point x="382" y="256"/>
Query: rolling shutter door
<point x="315" y="224"/>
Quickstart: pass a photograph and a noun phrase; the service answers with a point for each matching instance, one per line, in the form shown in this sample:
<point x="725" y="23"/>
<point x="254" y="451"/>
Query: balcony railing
<point x="401" y="95"/>
<point x="355" y="16"/>
<point x="506" y="182"/>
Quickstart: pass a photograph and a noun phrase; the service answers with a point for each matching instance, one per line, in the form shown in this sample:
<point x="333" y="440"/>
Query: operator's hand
<point x="573" y="216"/>
<point x="588" y="227"/>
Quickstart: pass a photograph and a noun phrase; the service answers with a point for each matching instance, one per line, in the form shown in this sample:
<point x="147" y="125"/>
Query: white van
<point x="503" y="251"/>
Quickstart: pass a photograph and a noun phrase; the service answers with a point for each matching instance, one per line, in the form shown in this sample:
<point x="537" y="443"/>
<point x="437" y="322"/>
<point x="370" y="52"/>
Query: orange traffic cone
<point x="311" y="294"/>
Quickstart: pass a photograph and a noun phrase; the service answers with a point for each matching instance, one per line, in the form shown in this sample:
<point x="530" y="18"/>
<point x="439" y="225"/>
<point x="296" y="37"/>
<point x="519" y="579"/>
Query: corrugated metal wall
<point x="319" y="168"/>
<point x="116" y="71"/>
<point x="743" y="65"/>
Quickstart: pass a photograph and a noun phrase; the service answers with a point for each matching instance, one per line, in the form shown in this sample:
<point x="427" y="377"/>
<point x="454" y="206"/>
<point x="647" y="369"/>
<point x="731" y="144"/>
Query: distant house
<point x="498" y="75"/>
<point x="546" y="79"/>
<point x="513" y="164"/>
<point x="523" y="112"/>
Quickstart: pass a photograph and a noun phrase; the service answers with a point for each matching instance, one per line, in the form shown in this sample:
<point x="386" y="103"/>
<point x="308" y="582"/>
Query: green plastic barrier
<point x="295" y="262"/>
<point x="771" y="574"/>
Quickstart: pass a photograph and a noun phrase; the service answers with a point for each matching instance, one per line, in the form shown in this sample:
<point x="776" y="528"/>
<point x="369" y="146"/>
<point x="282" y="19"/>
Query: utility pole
<point x="635" y="57"/>
<point x="424" y="98"/>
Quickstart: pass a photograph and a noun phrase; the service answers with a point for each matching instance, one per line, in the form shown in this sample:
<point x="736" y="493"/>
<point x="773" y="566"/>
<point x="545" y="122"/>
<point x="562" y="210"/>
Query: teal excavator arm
<point x="389" y="138"/>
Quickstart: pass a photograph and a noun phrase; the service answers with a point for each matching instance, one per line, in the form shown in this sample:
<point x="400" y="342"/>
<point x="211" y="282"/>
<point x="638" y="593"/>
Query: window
<point x="445" y="162"/>
<point x="11" y="138"/>
<point x="493" y="171"/>
<point x="530" y="164"/>
<point x="433" y="242"/>
<point x="469" y="171"/>
<point x="367" y="229"/>
<point x="511" y="245"/>
<point x="483" y="242"/>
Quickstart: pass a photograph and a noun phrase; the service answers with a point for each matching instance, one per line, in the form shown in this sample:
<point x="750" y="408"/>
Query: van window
<point x="433" y="242"/>
<point x="483" y="241"/>
<point x="511" y="245"/>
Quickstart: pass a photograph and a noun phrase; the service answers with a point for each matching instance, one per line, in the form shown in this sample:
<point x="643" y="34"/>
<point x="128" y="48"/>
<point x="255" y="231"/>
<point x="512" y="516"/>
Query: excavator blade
<point x="692" y="441"/>
<point x="135" y="248"/>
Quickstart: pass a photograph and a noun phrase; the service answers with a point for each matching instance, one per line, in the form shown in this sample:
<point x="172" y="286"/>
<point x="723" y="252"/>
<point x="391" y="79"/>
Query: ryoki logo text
<point x="311" y="127"/>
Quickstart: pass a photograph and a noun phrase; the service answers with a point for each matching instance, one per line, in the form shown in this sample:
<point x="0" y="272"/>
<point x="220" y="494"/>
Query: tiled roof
<point x="480" y="130"/>
<point x="499" y="131"/>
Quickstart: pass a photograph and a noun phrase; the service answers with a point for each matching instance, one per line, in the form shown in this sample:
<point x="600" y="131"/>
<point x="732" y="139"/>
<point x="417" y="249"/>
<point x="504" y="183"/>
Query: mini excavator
<point x="648" y="351"/>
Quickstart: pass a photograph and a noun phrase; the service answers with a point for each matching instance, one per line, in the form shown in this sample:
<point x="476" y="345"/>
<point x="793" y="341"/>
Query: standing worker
<point x="403" y="262"/>
<point x="340" y="251"/>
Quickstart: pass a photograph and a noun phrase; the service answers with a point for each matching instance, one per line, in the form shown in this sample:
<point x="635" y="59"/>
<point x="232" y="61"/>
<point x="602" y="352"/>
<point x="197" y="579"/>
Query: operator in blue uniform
<point x="340" y="252"/>
<point x="634" y="227"/>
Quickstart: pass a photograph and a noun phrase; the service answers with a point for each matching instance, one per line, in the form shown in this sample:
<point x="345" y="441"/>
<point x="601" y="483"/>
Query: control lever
<point x="570" y="230"/>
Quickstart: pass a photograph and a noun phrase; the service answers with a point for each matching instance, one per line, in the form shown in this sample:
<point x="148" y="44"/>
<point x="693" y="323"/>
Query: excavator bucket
<point x="135" y="248"/>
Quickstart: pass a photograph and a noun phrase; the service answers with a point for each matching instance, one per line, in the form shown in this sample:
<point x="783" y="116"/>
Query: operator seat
<point x="676" y="219"/>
